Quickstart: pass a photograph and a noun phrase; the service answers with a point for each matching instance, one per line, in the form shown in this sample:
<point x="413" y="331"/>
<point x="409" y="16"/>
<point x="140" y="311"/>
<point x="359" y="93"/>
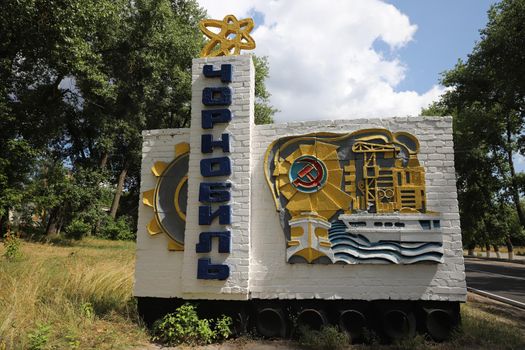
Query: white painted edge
<point x="497" y="297"/>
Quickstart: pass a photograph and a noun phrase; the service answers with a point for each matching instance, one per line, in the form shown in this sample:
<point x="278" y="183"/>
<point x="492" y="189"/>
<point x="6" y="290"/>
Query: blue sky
<point x="447" y="30"/>
<point x="344" y="59"/>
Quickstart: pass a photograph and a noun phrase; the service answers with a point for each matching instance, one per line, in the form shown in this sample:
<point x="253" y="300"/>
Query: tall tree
<point x="79" y="81"/>
<point x="487" y="99"/>
<point x="43" y="42"/>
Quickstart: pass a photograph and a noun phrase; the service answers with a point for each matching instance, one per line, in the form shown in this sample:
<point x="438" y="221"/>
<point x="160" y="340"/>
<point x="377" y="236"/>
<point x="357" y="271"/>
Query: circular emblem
<point x="308" y="174"/>
<point x="171" y="196"/>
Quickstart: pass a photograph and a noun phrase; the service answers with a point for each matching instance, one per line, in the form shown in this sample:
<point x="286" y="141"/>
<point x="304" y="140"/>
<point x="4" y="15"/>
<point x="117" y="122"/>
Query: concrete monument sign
<point x="336" y="220"/>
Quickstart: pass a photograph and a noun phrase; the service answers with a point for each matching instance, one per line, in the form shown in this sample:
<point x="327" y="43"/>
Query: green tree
<point x="44" y="44"/>
<point x="487" y="101"/>
<point x="477" y="181"/>
<point x="149" y="64"/>
<point x="79" y="81"/>
<point x="264" y="111"/>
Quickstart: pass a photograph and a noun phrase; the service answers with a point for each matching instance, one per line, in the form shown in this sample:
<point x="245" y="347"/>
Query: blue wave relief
<point x="352" y="248"/>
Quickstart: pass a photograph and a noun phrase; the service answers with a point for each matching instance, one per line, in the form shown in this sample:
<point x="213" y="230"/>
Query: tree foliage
<point x="79" y="81"/>
<point x="487" y="100"/>
<point x="263" y="110"/>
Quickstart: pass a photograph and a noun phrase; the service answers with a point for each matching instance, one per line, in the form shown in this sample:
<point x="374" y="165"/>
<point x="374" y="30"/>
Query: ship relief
<point x="353" y="198"/>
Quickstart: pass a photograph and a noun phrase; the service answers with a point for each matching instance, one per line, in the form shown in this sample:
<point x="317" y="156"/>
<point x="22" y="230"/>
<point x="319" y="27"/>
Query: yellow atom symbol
<point x="234" y="36"/>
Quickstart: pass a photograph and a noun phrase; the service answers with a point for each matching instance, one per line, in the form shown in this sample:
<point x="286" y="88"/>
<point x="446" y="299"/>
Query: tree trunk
<point x="496" y="250"/>
<point x="102" y="164"/>
<point x="118" y="191"/>
<point x="60" y="221"/>
<point x="514" y="191"/>
<point x="487" y="247"/>
<point x="510" y="248"/>
<point x="471" y="247"/>
<point x="104" y="160"/>
<point x="53" y="221"/>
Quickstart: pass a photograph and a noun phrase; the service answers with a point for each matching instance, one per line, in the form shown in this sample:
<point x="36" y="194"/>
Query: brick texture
<point x="258" y="258"/>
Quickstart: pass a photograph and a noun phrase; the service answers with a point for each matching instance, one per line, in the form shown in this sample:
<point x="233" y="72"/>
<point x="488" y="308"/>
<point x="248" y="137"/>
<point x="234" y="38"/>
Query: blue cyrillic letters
<point x="207" y="271"/>
<point x="208" y="144"/>
<point x="225" y="73"/>
<point x="206" y="216"/>
<point x="205" y="239"/>
<point x="214" y="192"/>
<point x="220" y="166"/>
<point x="217" y="96"/>
<point x="213" y="116"/>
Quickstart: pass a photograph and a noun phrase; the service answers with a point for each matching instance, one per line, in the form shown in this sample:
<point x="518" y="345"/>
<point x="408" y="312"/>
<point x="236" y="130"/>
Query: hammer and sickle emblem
<point x="310" y="176"/>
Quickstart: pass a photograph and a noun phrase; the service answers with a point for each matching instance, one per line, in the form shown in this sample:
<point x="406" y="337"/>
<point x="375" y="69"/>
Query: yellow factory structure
<point x="386" y="189"/>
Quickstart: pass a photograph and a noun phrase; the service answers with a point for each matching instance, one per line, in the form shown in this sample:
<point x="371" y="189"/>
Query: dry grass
<point x="83" y="293"/>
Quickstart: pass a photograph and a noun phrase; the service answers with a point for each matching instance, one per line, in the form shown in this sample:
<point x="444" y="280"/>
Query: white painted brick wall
<point x="272" y="277"/>
<point x="240" y="128"/>
<point x="258" y="259"/>
<point x="157" y="271"/>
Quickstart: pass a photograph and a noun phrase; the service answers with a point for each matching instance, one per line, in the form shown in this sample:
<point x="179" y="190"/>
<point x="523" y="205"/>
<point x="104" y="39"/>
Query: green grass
<point x="76" y="296"/>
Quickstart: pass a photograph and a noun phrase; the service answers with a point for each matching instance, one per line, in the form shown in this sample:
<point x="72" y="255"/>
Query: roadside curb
<point x="515" y="261"/>
<point x="497" y="297"/>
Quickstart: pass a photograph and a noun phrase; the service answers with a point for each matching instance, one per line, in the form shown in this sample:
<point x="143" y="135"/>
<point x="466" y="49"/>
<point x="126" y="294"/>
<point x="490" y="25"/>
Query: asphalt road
<point x="506" y="280"/>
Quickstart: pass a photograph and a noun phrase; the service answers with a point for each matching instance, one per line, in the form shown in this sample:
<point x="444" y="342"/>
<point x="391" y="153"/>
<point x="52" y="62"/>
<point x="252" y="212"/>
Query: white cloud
<point x="322" y="61"/>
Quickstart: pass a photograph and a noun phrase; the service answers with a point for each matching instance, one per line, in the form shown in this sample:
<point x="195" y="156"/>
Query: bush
<point x="77" y="229"/>
<point x="117" y="229"/>
<point x="185" y="327"/>
<point x="412" y="343"/>
<point x="39" y="337"/>
<point x="328" y="338"/>
<point x="13" y="247"/>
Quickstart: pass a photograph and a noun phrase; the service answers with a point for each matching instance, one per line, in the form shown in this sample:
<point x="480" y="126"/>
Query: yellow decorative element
<point x="300" y="202"/>
<point x="379" y="174"/>
<point x="335" y="176"/>
<point x="316" y="206"/>
<point x="329" y="137"/>
<point x="158" y="168"/>
<point x="154" y="227"/>
<point x="234" y="36"/>
<point x="321" y="232"/>
<point x="174" y="246"/>
<point x="296" y="231"/>
<point x="337" y="198"/>
<point x="148" y="198"/>
<point x="306" y="149"/>
<point x="326" y="150"/>
<point x="309" y="237"/>
<point x="350" y="178"/>
<point x="310" y="254"/>
<point x="181" y="148"/>
<point x="287" y="191"/>
<point x="370" y="144"/>
<point x="177" y="192"/>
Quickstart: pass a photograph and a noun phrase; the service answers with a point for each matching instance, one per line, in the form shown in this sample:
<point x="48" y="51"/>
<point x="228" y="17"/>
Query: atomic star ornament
<point x="234" y="36"/>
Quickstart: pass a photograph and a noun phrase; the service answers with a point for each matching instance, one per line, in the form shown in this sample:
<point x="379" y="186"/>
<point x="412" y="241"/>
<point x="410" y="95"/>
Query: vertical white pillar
<point x="239" y="129"/>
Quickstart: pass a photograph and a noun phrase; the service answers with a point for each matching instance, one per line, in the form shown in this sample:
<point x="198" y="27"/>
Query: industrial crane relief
<point x="353" y="198"/>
